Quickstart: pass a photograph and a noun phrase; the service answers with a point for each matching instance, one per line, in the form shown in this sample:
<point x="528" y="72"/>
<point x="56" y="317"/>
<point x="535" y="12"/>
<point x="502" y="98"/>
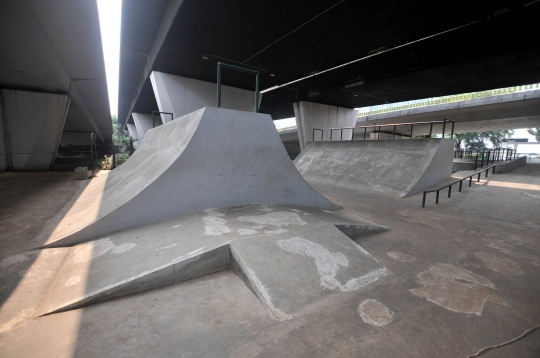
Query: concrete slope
<point x="208" y="158"/>
<point x="183" y="247"/>
<point x="399" y="167"/>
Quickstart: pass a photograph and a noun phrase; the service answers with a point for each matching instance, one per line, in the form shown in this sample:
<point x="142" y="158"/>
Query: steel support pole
<point x="394" y="135"/>
<point x="424" y="200"/>
<point x="113" y="153"/>
<point x="412" y="125"/>
<point x="430" y="129"/>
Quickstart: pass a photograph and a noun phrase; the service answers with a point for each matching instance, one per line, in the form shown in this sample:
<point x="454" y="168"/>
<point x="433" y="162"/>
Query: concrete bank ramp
<point x="208" y="158"/>
<point x="267" y="246"/>
<point x="398" y="167"/>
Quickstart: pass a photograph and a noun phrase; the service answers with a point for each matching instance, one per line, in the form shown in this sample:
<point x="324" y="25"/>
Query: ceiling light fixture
<point x="205" y="57"/>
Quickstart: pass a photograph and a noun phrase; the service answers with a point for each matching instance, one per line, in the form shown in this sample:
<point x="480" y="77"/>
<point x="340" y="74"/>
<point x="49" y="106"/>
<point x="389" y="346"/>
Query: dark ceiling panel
<point x="498" y="51"/>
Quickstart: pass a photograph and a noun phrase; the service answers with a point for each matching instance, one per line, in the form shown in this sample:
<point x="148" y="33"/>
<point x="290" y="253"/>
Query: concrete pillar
<point x="31" y="127"/>
<point x="181" y="95"/>
<point x="143" y="122"/>
<point x="322" y="116"/>
<point x="133" y="133"/>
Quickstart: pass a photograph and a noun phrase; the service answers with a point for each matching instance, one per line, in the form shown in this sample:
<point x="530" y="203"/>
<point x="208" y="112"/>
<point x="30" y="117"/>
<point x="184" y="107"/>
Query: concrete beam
<point x="181" y="95"/>
<point x="32" y="126"/>
<point x="315" y="115"/>
<point x="168" y="17"/>
<point x="517" y="110"/>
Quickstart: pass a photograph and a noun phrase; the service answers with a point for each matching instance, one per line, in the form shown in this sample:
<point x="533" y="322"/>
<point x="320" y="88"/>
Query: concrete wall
<point x="314" y="115"/>
<point x="510" y="166"/>
<point x="143" y="123"/>
<point x="181" y="96"/>
<point x="32" y="126"/>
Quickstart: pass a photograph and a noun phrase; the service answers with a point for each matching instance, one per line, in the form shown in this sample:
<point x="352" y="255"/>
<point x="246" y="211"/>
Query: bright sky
<point x="110" y="20"/>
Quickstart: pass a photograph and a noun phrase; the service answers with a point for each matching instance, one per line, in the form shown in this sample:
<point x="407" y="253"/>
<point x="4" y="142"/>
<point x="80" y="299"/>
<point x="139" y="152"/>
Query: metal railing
<point x="241" y="69"/>
<point x="493" y="155"/>
<point x="394" y="126"/>
<point x="460" y="181"/>
<point x="158" y="112"/>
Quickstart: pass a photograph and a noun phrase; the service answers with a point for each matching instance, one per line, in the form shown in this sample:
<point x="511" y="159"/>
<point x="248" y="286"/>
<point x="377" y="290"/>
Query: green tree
<point x="477" y="140"/>
<point x="120" y="136"/>
<point x="535" y="132"/>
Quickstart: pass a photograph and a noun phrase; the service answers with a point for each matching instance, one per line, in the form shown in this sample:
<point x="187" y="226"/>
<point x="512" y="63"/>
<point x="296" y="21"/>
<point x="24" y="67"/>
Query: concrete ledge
<point x="510" y="166"/>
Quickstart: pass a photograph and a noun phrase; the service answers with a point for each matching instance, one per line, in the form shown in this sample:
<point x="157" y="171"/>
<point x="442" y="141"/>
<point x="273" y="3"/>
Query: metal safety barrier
<point x="394" y="126"/>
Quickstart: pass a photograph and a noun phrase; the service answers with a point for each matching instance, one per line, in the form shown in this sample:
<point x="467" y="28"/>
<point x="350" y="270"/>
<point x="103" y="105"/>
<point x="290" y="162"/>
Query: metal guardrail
<point x="394" y="126"/>
<point x="157" y="112"/>
<point x="241" y="69"/>
<point x="493" y="155"/>
<point x="460" y="181"/>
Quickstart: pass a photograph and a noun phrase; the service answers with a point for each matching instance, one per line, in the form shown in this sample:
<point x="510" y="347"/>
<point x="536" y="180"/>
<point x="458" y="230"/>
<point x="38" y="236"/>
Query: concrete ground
<point x="464" y="275"/>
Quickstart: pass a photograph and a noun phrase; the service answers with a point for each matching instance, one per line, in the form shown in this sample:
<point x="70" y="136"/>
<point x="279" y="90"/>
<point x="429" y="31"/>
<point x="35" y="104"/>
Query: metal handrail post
<point x="394" y="135"/>
<point x="430" y="129"/>
<point x="437" y="198"/>
<point x="92" y="150"/>
<point x="241" y="69"/>
<point x="424" y="200"/>
<point x="449" y="190"/>
<point x="113" y="153"/>
<point x="365" y="131"/>
<point x="443" y="127"/>
<point x="411" y="130"/>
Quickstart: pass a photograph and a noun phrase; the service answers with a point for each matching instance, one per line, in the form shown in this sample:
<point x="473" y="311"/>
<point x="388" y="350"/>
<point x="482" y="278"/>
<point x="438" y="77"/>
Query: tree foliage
<point x="120" y="136"/>
<point x="477" y="140"/>
<point x="535" y="132"/>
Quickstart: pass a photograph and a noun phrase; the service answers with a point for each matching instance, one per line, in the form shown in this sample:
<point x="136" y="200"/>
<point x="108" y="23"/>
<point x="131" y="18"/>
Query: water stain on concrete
<point x="456" y="289"/>
<point x="123" y="248"/>
<point x="276" y="219"/>
<point x="329" y="263"/>
<point x="400" y="256"/>
<point x="215" y="226"/>
<point x="73" y="281"/>
<point x="499" y="264"/>
<point x="246" y="231"/>
<point x="375" y="313"/>
<point x="506" y="248"/>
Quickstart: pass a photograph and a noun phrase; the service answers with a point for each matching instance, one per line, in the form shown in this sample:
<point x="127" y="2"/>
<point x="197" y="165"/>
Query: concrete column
<point x="322" y="116"/>
<point x="181" y="95"/>
<point x="143" y="122"/>
<point x="133" y="133"/>
<point x="31" y="127"/>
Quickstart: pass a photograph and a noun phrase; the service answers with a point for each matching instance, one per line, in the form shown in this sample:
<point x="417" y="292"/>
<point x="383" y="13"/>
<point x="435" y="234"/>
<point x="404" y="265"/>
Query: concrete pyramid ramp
<point x="188" y="246"/>
<point x="208" y="158"/>
<point x="398" y="167"/>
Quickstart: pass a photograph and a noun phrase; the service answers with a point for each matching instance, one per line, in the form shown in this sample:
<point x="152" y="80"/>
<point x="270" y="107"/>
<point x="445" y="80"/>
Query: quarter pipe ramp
<point x="399" y="167"/>
<point x="209" y="158"/>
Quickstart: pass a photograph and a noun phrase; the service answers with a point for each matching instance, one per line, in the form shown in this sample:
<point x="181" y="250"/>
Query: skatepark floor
<point x="464" y="275"/>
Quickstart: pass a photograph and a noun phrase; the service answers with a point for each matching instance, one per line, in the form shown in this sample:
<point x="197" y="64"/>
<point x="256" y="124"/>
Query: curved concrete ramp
<point x="399" y="167"/>
<point x="208" y="158"/>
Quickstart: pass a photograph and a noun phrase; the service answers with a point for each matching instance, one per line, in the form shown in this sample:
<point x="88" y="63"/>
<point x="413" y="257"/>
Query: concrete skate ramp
<point x="208" y="158"/>
<point x="398" y="167"/>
